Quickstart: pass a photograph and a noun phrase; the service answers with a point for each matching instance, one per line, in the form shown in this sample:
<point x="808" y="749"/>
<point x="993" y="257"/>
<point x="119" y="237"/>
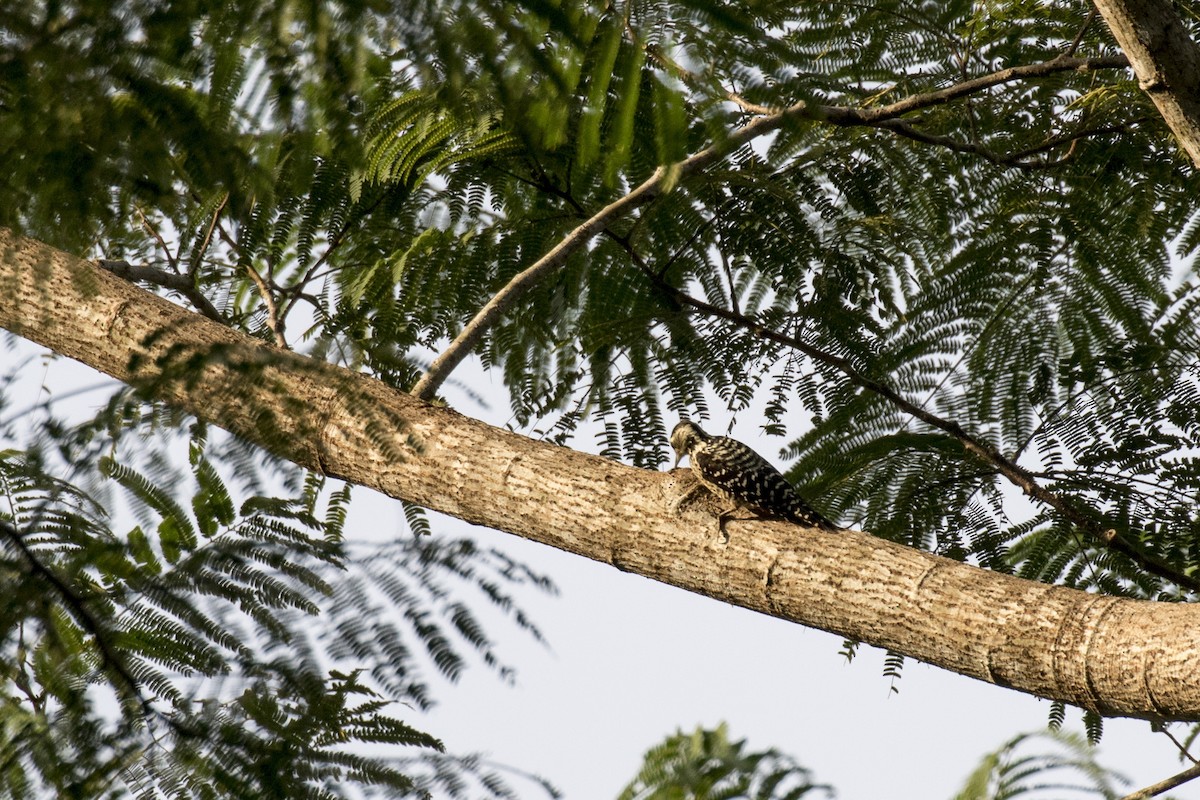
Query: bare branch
<point x="857" y="116"/>
<point x="274" y="321"/>
<point x="1191" y="773"/>
<point x="1017" y="159"/>
<point x="503" y="300"/>
<point x="1183" y="751"/>
<point x="153" y="231"/>
<point x="1078" y="40"/>
<point x="194" y="267"/>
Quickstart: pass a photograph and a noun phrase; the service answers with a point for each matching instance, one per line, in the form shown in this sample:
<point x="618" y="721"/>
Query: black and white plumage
<point x="741" y="477"/>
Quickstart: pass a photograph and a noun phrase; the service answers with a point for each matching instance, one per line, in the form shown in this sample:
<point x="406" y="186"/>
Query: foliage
<point x="222" y="646"/>
<point x="926" y="299"/>
<point x="1049" y="764"/>
<point x="705" y="765"/>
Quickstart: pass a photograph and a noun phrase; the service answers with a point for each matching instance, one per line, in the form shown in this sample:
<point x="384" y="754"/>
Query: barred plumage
<point x="737" y="474"/>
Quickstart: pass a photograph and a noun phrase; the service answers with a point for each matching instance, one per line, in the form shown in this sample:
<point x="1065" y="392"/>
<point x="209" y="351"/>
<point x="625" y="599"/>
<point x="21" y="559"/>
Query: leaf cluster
<point x="1063" y="765"/>
<point x="220" y="647"/>
<point x="706" y="765"/>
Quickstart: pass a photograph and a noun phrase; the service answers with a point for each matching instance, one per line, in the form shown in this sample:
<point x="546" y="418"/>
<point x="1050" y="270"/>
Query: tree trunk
<point x="1165" y="60"/>
<point x="1114" y="656"/>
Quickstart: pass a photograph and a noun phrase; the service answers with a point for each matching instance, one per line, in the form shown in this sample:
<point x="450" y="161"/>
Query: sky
<point x="630" y="661"/>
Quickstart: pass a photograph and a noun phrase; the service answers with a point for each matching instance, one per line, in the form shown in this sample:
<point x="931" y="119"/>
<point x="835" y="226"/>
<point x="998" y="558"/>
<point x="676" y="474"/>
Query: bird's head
<point x="685" y="437"/>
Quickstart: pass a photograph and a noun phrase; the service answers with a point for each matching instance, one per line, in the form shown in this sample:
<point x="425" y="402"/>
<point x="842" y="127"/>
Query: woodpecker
<point x="741" y="477"/>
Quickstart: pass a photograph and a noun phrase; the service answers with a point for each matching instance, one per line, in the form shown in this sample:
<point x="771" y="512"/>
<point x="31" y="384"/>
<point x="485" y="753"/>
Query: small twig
<point x="733" y="300"/>
<point x="194" y="267"/>
<point x="683" y="248"/>
<point x="171" y="259"/>
<point x="274" y="321"/>
<point x="1191" y="773"/>
<point x="292" y="296"/>
<point x="1183" y="751"/>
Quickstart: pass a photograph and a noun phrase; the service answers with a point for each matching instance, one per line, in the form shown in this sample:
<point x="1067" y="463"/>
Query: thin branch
<point x="1092" y="14"/>
<point x="293" y="295"/>
<point x="171" y="259"/>
<point x="666" y="176"/>
<point x="87" y="620"/>
<point x="859" y="116"/>
<point x="1183" y="751"/>
<point x="980" y="448"/>
<point x="1017" y="159"/>
<point x="1074" y="137"/>
<point x="503" y="300"/>
<point x="274" y="320"/>
<point x="194" y="267"/>
<point x="172" y="281"/>
<point x="1191" y="773"/>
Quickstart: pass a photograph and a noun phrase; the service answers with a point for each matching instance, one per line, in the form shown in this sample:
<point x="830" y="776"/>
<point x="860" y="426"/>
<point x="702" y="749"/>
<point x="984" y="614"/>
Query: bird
<point x="741" y="477"/>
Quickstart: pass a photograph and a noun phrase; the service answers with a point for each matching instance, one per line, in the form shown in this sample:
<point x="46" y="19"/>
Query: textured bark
<point x="1165" y="60"/>
<point x="1114" y="656"/>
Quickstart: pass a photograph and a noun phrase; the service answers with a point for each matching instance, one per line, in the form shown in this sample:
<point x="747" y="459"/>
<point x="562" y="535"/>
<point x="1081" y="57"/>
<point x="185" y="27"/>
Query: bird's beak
<point x="678" y="458"/>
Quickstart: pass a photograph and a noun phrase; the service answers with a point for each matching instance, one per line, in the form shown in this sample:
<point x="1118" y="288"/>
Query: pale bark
<point x="1114" y="656"/>
<point x="1165" y="60"/>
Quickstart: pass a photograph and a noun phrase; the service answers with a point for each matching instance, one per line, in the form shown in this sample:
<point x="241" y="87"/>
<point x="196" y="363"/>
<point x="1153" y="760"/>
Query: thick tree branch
<point x="665" y="177"/>
<point x="1165" y="60"/>
<point x="1111" y="655"/>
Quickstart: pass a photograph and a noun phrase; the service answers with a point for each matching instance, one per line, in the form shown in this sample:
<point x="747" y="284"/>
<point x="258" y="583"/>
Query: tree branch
<point x="1165" y="60"/>
<point x="666" y="176"/>
<point x="503" y="300"/>
<point x="275" y="322"/>
<point x="1191" y="773"/>
<point x="1017" y="159"/>
<point x="172" y="281"/>
<point x="980" y="448"/>
<point x="917" y="102"/>
<point x="1111" y="655"/>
